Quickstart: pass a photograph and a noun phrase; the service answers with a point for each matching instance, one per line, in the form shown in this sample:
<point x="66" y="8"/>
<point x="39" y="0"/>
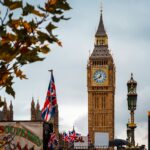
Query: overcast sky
<point x="128" y="27"/>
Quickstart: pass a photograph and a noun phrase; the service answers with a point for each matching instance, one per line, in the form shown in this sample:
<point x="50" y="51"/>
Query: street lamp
<point x="132" y="101"/>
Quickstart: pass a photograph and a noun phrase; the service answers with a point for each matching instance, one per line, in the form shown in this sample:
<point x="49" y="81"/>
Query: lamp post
<point x="131" y="100"/>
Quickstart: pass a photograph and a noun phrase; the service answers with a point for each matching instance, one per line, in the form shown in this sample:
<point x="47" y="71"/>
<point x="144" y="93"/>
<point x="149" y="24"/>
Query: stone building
<point x="36" y="115"/>
<point x="101" y="86"/>
<point x="6" y="114"/>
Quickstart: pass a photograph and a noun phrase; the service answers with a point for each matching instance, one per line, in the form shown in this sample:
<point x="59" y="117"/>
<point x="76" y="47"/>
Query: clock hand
<point x="98" y="77"/>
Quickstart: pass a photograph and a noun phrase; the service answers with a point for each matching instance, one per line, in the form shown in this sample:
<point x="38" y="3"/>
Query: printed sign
<point x="21" y="135"/>
<point x="101" y="140"/>
<point x="81" y="143"/>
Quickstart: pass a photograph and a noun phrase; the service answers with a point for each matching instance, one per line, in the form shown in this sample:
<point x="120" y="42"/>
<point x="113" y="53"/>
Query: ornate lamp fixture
<point x="132" y="101"/>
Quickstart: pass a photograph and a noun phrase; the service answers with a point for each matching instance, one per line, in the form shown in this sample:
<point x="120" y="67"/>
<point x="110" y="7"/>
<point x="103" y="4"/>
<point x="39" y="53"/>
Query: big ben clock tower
<point x="101" y="86"/>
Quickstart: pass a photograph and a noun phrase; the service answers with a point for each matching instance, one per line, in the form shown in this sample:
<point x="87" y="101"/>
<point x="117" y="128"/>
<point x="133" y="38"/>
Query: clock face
<point x="99" y="76"/>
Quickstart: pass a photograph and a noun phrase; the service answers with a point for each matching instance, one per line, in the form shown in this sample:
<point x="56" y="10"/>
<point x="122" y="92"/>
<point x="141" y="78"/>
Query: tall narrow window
<point x="103" y="101"/>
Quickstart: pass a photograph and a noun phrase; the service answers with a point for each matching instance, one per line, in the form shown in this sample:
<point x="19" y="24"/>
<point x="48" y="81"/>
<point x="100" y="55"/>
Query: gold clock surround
<point x="104" y="68"/>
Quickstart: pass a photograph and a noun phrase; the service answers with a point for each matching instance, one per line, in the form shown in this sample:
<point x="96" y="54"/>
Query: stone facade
<point x="36" y="116"/>
<point x="6" y="114"/>
<point x="101" y="86"/>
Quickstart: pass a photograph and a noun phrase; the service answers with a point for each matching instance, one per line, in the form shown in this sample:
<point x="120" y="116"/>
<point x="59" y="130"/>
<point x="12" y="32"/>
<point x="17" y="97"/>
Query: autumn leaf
<point x="45" y="49"/>
<point x="10" y="90"/>
<point x="27" y="9"/>
<point x="23" y="38"/>
<point x="14" y="23"/>
<point x="59" y="43"/>
<point x="36" y="12"/>
<point x="19" y="73"/>
<point x="15" y="5"/>
<point x="4" y="78"/>
<point x="43" y="37"/>
<point x="50" y="27"/>
<point x="52" y="2"/>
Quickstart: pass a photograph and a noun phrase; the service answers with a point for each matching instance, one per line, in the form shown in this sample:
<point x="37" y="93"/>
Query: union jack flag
<point x="48" y="110"/>
<point x="53" y="140"/>
<point x="72" y="135"/>
<point x="66" y="137"/>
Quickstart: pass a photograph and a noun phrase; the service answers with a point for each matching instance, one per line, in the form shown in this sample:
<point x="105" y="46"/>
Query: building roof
<point x="101" y="29"/>
<point x="100" y="52"/>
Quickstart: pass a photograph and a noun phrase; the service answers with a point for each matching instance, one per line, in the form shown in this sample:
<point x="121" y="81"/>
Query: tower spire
<point x="101" y="38"/>
<point x="101" y="29"/>
<point x="101" y="7"/>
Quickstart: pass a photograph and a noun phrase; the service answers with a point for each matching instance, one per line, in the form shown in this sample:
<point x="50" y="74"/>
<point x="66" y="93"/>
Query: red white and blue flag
<point x="48" y="110"/>
<point x="72" y="135"/>
<point x="53" y="140"/>
<point x="66" y="137"/>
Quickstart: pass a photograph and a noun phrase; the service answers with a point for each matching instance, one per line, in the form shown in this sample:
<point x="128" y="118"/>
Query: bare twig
<point x="5" y="16"/>
<point x="42" y="20"/>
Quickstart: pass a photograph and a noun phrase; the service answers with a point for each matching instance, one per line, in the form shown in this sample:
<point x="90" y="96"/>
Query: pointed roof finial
<point x="32" y="102"/>
<point x="131" y="81"/>
<point x="37" y="105"/>
<point x="131" y="75"/>
<point x="101" y="29"/>
<point x="101" y="7"/>
<point x="73" y="128"/>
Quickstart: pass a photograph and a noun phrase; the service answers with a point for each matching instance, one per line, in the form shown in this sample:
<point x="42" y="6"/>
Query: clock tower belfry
<point x="101" y="86"/>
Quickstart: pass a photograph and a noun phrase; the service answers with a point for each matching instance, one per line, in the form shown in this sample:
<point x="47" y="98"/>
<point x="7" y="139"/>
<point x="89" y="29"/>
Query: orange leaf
<point x="59" y="43"/>
<point x="52" y="2"/>
<point x="19" y="73"/>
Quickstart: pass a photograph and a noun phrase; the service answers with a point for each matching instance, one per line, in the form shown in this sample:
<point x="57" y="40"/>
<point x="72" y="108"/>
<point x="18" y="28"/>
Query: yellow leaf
<point x="27" y="26"/>
<point x="52" y="2"/>
<point x="19" y="73"/>
<point x="15" y="23"/>
<point x="4" y="78"/>
<point x="38" y="13"/>
<point x="15" y="5"/>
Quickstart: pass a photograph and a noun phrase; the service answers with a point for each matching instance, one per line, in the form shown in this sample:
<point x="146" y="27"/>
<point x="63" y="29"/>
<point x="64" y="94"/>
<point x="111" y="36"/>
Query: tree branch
<point x="5" y="16"/>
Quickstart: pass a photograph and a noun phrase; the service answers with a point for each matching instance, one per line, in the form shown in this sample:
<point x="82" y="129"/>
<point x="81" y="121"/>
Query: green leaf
<point x="56" y="19"/>
<point x="63" y="5"/>
<point x="10" y="91"/>
<point x="50" y="27"/>
<point x="42" y="36"/>
<point x="45" y="49"/>
<point x="27" y="9"/>
<point x="8" y="86"/>
<point x="29" y="57"/>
